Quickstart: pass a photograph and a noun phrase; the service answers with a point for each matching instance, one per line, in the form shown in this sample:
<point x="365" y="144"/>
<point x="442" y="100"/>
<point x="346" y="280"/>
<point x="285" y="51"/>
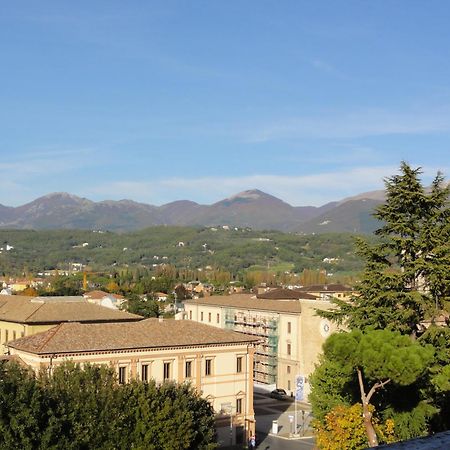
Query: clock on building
<point x="325" y="328"/>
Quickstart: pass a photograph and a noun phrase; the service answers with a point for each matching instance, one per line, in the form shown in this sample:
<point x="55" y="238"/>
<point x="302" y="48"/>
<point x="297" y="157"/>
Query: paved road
<point x="268" y="410"/>
<point x="278" y="443"/>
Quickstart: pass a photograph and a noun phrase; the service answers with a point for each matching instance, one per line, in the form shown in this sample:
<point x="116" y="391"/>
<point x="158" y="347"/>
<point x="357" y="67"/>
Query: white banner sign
<point x="299" y="387"/>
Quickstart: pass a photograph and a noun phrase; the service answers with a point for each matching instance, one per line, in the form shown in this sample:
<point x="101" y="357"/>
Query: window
<point x="239" y="364"/>
<point x="122" y="375"/>
<point x="14" y="335"/>
<point x="289" y="385"/>
<point x="289" y="349"/>
<point x="288" y="369"/>
<point x="218" y="318"/>
<point x="209" y="317"/>
<point x="6" y="335"/>
<point x="289" y="327"/>
<point x="201" y="316"/>
<point x="208" y="366"/>
<point x="188" y="369"/>
<point x="238" y="405"/>
<point x="144" y="372"/>
<point x="166" y="374"/>
<point x="190" y="315"/>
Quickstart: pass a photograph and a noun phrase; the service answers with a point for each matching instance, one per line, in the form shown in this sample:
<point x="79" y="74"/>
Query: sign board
<point x="299" y="387"/>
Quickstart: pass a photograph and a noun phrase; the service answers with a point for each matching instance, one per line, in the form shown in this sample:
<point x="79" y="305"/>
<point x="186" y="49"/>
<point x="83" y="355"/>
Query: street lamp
<point x="230" y="411"/>
<point x="299" y="387"/>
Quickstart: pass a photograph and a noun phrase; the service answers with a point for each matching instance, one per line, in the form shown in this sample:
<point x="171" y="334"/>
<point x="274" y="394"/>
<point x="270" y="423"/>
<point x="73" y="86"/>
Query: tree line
<point x="85" y="408"/>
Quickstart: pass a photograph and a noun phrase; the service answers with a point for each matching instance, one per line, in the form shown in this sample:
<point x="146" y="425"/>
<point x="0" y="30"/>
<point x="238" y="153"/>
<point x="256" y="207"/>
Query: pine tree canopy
<point x="407" y="272"/>
<point x="381" y="370"/>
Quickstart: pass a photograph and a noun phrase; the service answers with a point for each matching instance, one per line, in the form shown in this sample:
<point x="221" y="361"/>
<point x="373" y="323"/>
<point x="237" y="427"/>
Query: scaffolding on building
<point x="264" y="326"/>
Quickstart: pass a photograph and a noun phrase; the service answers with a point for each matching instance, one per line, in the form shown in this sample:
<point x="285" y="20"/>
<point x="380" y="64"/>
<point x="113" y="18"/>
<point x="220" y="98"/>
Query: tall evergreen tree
<point x="407" y="272"/>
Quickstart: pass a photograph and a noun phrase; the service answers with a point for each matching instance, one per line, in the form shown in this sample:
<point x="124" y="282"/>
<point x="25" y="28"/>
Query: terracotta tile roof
<point x="285" y="294"/>
<point x="248" y="301"/>
<point x="22" y="309"/>
<point x="145" y="334"/>
<point x="325" y="288"/>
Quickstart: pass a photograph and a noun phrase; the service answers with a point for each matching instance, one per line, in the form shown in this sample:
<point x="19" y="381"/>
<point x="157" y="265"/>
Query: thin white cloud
<point x="27" y="176"/>
<point x="315" y="189"/>
<point x="352" y="125"/>
<point x="338" y="154"/>
<point x="44" y="162"/>
<point x="322" y="65"/>
<point x="325" y="67"/>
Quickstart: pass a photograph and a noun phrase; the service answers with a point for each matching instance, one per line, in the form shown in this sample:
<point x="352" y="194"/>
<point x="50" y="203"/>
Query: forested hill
<point x="234" y="249"/>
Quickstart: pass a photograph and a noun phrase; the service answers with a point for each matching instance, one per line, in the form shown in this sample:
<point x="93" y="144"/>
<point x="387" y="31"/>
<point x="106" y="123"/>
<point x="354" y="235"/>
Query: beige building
<point x="291" y="334"/>
<point x="113" y="301"/>
<point x="19" y="285"/>
<point x="22" y="316"/>
<point x="216" y="362"/>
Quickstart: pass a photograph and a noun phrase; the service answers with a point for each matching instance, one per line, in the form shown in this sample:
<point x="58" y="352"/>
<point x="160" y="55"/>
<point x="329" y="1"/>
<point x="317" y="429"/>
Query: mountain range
<point x="252" y="208"/>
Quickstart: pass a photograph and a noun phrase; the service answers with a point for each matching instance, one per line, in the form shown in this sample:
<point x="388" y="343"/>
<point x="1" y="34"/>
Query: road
<point x="277" y="443"/>
<point x="267" y="410"/>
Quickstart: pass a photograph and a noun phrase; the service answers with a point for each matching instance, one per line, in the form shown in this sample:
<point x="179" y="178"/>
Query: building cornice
<point x="131" y="350"/>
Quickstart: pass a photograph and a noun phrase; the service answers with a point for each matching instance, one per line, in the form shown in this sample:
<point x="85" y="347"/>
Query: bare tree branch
<point x="376" y="386"/>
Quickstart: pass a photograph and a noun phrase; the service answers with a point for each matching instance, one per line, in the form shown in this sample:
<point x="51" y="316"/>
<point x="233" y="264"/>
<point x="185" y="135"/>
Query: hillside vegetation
<point x="235" y="250"/>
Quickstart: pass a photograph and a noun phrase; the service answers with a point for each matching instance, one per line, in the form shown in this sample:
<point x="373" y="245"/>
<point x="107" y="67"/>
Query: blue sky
<point x="157" y="101"/>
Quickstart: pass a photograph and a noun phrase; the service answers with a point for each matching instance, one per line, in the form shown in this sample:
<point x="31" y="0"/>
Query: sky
<point x="157" y="101"/>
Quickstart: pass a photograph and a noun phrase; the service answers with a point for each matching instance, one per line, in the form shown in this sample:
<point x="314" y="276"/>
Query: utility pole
<point x="231" y="425"/>
<point x="295" y="416"/>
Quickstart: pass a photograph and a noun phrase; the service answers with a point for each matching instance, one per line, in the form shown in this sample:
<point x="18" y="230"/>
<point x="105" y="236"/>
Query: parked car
<point x="279" y="394"/>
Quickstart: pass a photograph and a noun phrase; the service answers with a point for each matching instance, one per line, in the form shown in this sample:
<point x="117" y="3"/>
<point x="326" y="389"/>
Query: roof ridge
<point x="51" y="332"/>
<point x="35" y="311"/>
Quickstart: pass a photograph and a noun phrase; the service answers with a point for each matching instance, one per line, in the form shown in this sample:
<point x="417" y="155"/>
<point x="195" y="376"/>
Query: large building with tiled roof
<point x="290" y="331"/>
<point x="327" y="291"/>
<point x="23" y="316"/>
<point x="285" y="294"/>
<point x="217" y="362"/>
